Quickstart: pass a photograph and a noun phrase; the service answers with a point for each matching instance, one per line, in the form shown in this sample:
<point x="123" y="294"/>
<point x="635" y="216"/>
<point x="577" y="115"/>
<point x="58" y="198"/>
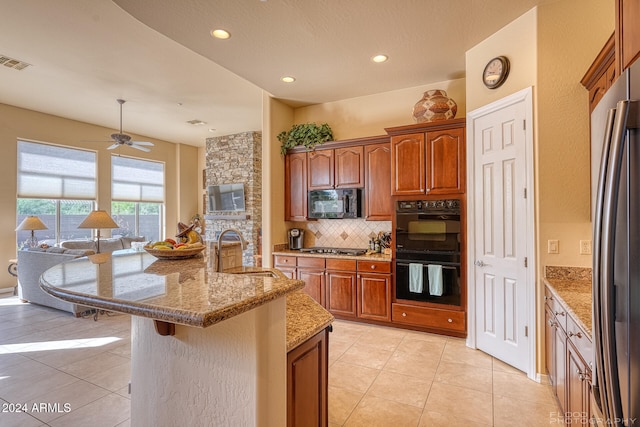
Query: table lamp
<point x="32" y="223"/>
<point x="97" y="220"/>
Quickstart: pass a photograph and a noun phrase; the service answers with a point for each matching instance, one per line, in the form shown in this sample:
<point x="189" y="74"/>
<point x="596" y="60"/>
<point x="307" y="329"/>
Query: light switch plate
<point x="553" y="247"/>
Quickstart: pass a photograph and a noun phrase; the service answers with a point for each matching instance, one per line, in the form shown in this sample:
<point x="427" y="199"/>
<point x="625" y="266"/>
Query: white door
<point x="500" y="240"/>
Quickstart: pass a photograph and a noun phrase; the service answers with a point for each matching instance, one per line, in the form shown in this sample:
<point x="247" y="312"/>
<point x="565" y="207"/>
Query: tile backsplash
<point x="340" y="233"/>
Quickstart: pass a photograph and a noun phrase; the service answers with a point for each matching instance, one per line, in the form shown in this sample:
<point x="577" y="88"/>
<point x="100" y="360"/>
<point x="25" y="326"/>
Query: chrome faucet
<point x="243" y="244"/>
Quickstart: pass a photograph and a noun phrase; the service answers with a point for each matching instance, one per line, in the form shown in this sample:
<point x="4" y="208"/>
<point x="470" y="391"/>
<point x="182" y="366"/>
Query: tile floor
<point x="74" y="372"/>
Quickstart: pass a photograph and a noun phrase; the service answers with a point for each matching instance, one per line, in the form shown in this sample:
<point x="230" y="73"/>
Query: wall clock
<point x="496" y="72"/>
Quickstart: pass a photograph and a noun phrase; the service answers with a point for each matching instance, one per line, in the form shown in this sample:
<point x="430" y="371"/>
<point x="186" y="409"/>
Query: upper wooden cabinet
<point x="378" y="182"/>
<point x="295" y="188"/>
<point x="627" y="32"/>
<point x="339" y="168"/>
<point x="601" y="74"/>
<point x="428" y="158"/>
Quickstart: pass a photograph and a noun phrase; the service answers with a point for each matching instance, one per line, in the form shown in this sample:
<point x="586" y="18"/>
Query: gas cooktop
<point x="334" y="251"/>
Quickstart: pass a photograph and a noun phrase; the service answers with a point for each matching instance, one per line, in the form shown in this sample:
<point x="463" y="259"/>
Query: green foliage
<point x="307" y="134"/>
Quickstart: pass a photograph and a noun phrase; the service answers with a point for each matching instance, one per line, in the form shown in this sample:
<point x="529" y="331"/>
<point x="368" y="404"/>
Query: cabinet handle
<point x="559" y="313"/>
<point x="577" y="334"/>
<point x="373" y="267"/>
<point x="404" y="314"/>
<point x="449" y="320"/>
<point x="552" y="323"/>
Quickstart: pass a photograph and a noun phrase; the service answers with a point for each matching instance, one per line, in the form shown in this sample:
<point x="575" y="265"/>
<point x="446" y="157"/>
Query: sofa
<point x="33" y="262"/>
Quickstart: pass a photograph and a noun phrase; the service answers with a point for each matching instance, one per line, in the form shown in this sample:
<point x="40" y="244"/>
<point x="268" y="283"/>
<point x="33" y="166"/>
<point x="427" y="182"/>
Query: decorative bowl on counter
<point x="175" y="253"/>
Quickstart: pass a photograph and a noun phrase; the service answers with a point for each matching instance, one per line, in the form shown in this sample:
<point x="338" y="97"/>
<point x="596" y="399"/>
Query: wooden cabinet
<point x="378" y="204"/>
<point x="627" y="32"/>
<point x="311" y="270"/>
<point x="567" y="350"/>
<point x="320" y="174"/>
<point x="430" y="318"/>
<point x="408" y="164"/>
<point x="601" y="74"/>
<point x="428" y="158"/>
<point x="338" y="168"/>
<point x="307" y="382"/>
<point x="286" y="264"/>
<point x="374" y="290"/>
<point x="341" y="287"/>
<point x="349" y="167"/>
<point x="295" y="187"/>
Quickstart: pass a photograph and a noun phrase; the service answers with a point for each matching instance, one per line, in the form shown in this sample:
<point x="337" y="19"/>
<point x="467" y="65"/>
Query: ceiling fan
<point x="124" y="139"/>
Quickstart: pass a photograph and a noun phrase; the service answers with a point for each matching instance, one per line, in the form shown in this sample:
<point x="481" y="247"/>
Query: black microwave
<point x="339" y="203"/>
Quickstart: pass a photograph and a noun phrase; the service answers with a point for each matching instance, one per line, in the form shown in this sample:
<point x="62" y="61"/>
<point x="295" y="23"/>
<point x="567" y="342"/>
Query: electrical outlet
<point x="585" y="247"/>
<point x="553" y="247"/>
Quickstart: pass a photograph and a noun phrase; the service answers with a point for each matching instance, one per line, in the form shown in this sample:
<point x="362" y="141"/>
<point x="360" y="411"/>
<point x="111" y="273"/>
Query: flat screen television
<point x="225" y="197"/>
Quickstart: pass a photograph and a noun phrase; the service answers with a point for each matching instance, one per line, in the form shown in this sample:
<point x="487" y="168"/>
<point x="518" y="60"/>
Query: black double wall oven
<point x="428" y="247"/>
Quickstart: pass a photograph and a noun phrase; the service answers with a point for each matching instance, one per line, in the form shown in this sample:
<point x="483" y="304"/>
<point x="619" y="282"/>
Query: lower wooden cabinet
<point x="428" y="317"/>
<point x="341" y="287"/>
<point x="567" y="350"/>
<point x="307" y="382"/>
<point x="311" y="270"/>
<point x="374" y="290"/>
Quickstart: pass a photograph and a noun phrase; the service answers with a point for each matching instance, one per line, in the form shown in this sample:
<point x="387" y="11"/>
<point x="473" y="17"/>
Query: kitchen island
<point x="207" y="348"/>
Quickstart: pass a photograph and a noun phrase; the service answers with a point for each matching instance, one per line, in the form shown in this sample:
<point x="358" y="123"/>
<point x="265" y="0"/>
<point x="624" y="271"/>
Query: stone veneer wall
<point x="236" y="159"/>
<point x="340" y="233"/>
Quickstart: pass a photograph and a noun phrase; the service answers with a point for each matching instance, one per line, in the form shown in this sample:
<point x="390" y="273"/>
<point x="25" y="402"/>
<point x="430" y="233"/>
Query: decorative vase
<point x="435" y="105"/>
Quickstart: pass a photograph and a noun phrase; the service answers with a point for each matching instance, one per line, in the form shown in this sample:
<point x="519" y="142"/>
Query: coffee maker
<point x="296" y="239"/>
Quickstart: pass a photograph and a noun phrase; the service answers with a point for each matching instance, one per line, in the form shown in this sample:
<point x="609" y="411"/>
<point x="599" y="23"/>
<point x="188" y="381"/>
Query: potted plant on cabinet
<point x="306" y="134"/>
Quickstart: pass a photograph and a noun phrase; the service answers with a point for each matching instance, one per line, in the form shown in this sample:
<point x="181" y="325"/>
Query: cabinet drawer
<point x="284" y="261"/>
<point x="580" y="339"/>
<point x="428" y="317"/>
<point x="556" y="308"/>
<point x="310" y="262"/>
<point x="374" y="267"/>
<point x="341" y="264"/>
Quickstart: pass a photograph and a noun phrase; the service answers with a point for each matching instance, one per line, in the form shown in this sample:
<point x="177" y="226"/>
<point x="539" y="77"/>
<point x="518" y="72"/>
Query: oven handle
<point x="448" y="265"/>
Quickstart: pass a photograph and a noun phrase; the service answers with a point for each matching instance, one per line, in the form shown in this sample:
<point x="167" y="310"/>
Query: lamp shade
<point x="98" y="219"/>
<point x="31" y="222"/>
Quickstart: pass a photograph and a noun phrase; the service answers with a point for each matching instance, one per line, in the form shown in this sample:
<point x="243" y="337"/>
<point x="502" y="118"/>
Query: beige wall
<point x="550" y="48"/>
<point x="369" y="115"/>
<point x="16" y="123"/>
<point x="276" y="118"/>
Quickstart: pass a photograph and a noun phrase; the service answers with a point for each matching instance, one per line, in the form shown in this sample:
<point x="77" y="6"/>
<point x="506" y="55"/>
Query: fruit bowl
<point x="174" y="253"/>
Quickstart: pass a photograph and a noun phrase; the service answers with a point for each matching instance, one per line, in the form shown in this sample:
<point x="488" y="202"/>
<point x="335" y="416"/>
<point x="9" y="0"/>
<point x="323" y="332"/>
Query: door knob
<point x="480" y="263"/>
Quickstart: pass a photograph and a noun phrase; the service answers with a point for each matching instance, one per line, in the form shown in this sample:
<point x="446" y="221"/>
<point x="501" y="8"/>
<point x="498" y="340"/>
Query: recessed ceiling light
<point x="380" y="58"/>
<point x="288" y="79"/>
<point x="212" y="130"/>
<point x="196" y="122"/>
<point x="220" y="34"/>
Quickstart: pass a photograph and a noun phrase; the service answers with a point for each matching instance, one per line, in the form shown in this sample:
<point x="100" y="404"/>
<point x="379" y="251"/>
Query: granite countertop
<point x="305" y="318"/>
<point x="186" y="292"/>
<point x="370" y="257"/>
<point x="572" y="287"/>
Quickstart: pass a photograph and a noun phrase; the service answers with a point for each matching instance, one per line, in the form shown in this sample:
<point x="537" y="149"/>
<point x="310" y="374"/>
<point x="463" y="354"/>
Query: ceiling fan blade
<point x="113" y="147"/>
<point x="137" y="147"/>
<point x="147" y="143"/>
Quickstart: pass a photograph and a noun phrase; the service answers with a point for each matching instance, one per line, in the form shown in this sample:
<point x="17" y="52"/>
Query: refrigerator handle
<point x="597" y="378"/>
<point x="610" y="379"/>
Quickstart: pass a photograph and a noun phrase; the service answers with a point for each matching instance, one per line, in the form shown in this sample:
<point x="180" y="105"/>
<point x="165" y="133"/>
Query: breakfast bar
<point x="208" y="348"/>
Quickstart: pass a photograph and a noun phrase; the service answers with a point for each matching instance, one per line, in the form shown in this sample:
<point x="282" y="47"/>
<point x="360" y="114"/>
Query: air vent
<point x="13" y="63"/>
<point x="196" y="122"/>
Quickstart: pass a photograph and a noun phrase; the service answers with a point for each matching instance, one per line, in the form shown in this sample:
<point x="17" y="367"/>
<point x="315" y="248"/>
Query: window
<point x="137" y="193"/>
<point x="58" y="184"/>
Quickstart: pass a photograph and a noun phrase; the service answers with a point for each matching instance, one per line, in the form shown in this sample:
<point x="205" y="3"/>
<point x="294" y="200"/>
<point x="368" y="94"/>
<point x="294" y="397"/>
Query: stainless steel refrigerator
<point x="615" y="140"/>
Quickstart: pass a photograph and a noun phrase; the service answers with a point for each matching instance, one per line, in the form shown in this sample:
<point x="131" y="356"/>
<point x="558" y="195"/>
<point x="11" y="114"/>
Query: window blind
<point x="53" y="172"/>
<point x="134" y="180"/>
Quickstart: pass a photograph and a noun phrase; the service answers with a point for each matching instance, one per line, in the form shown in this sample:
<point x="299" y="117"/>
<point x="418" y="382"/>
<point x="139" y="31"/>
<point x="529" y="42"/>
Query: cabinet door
<point x="320" y="169"/>
<point x="445" y="161"/>
<point x="307" y="382"/>
<point x="374" y="293"/>
<point x="341" y="293"/>
<point x="314" y="283"/>
<point x="349" y="167"/>
<point x="379" y="206"/>
<point x="295" y="187"/>
<point x="549" y="340"/>
<point x="578" y="375"/>
<point x="407" y="164"/>
<point x="560" y="359"/>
